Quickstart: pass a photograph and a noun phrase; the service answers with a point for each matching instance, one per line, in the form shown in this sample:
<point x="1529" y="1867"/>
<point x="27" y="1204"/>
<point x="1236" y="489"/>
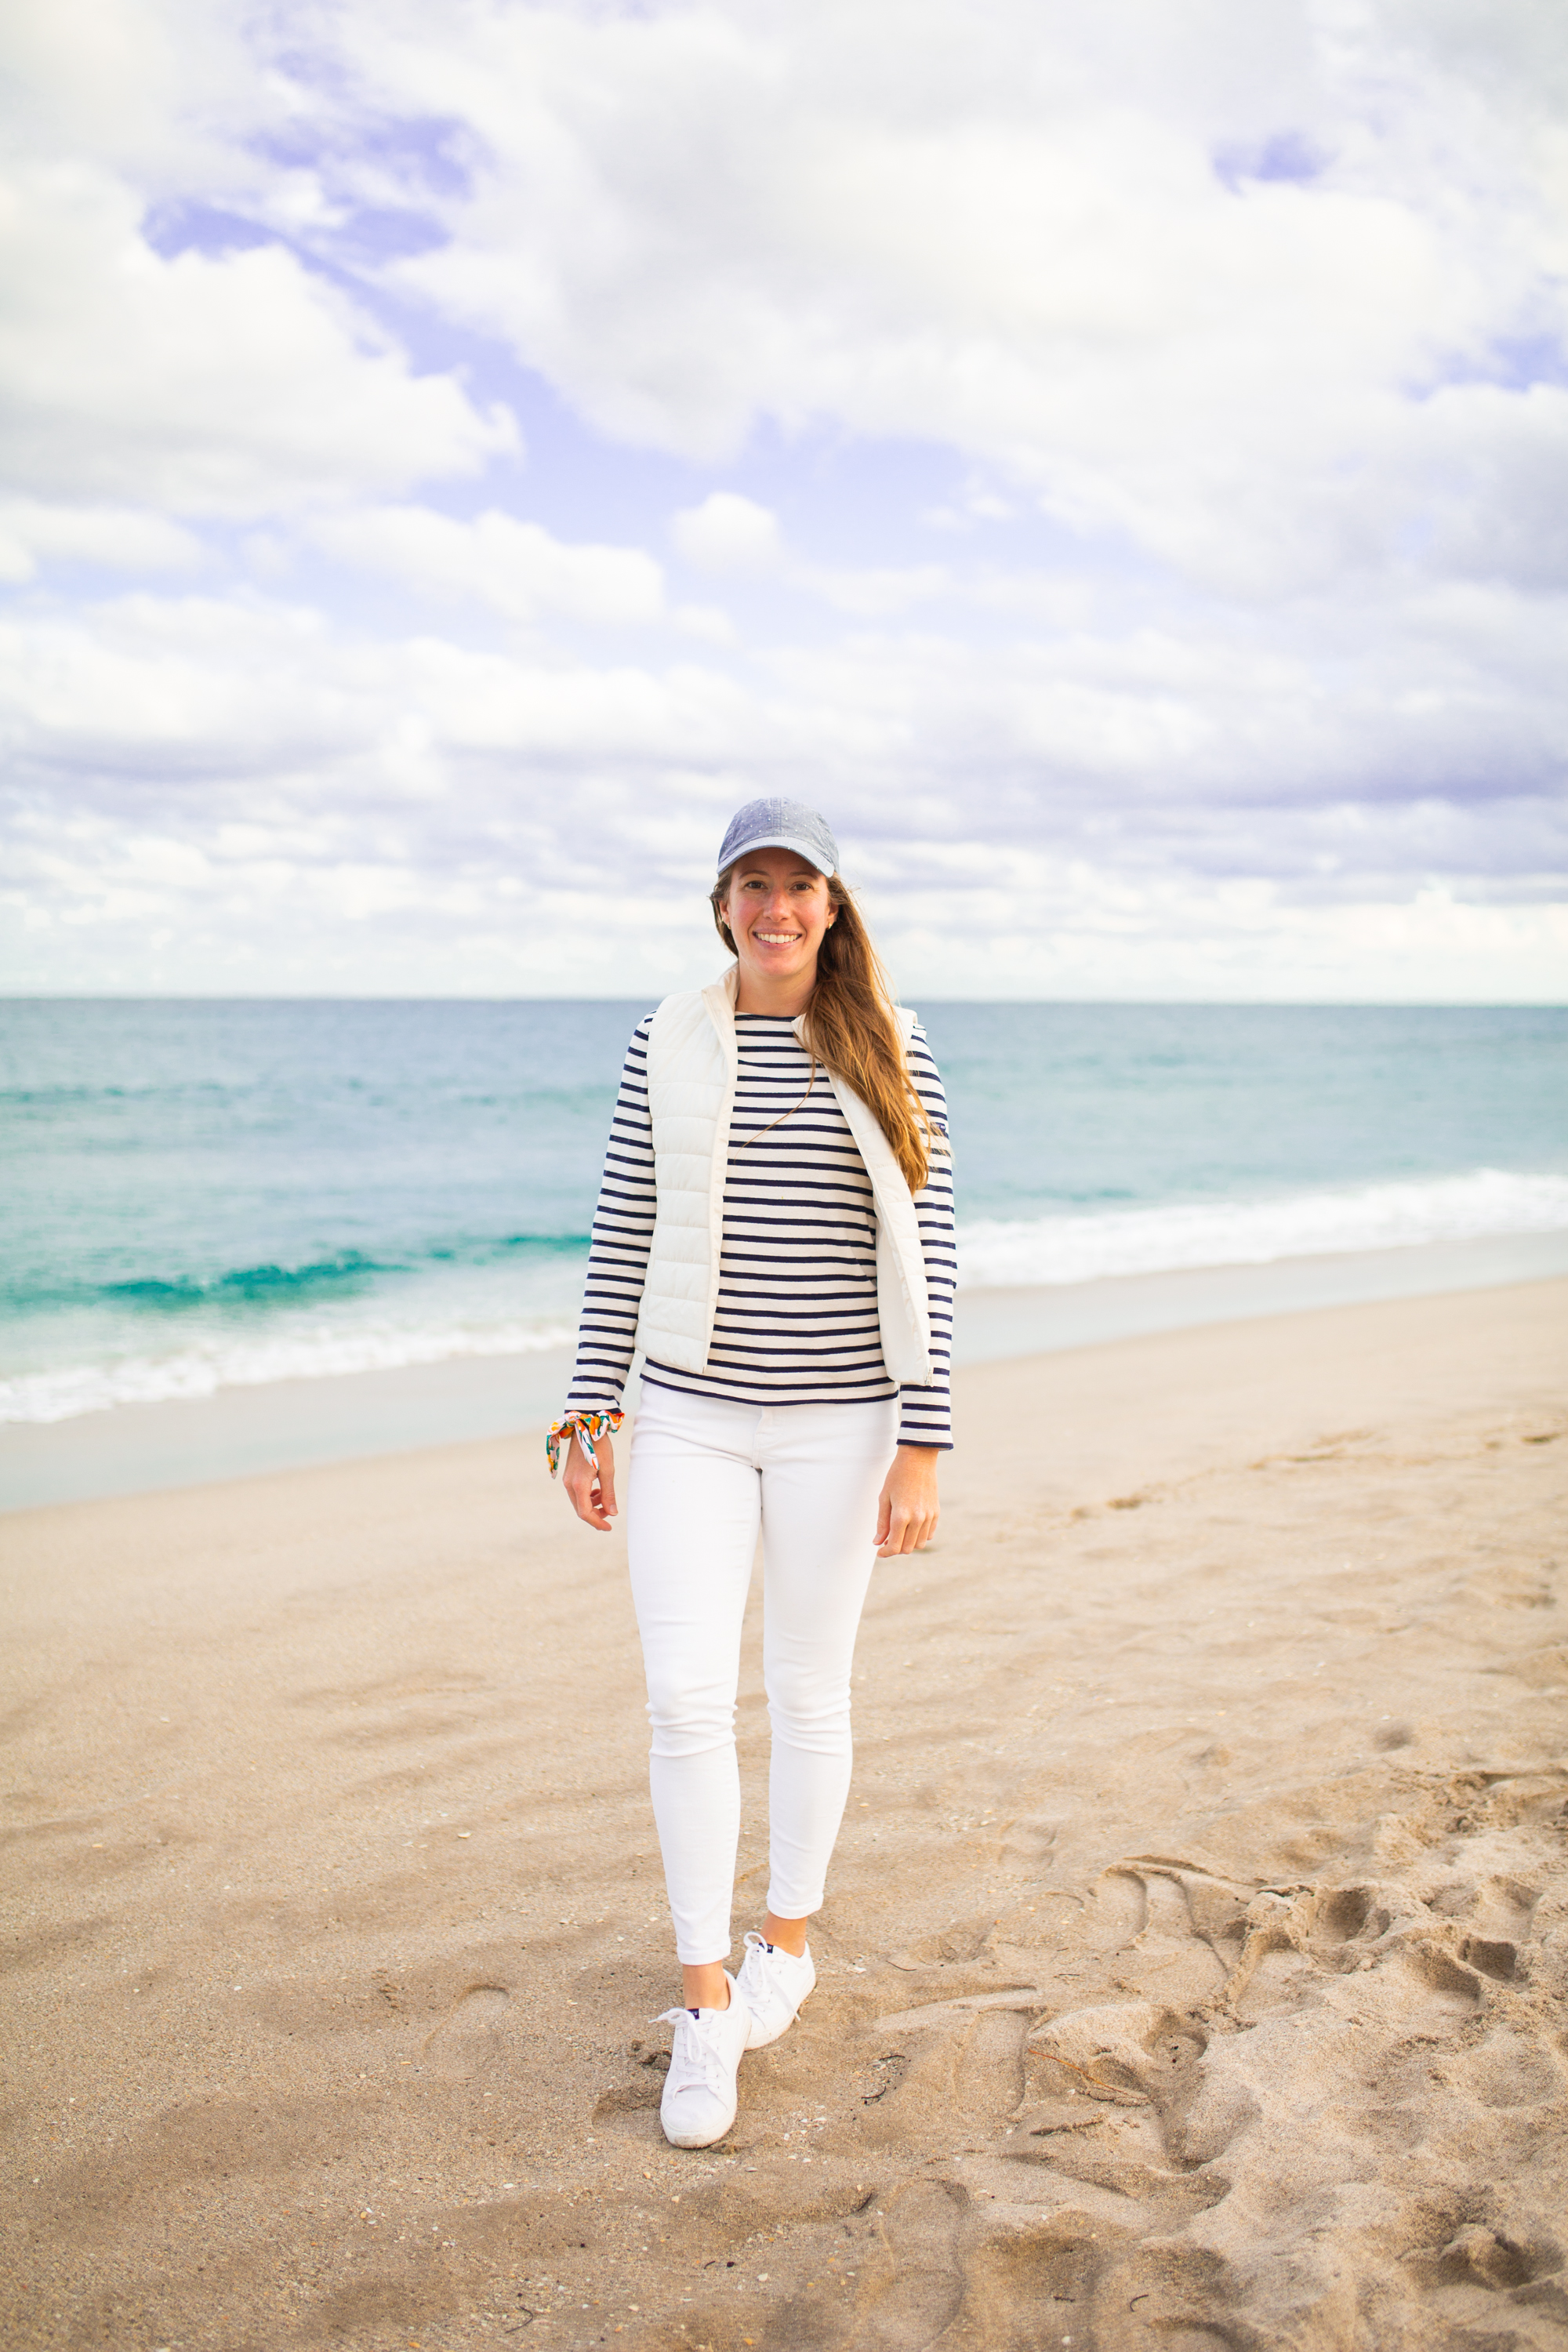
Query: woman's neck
<point x="784" y="998"/>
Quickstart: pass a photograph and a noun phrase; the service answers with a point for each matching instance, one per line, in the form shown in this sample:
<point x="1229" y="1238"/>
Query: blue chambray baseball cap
<point x="780" y="825"/>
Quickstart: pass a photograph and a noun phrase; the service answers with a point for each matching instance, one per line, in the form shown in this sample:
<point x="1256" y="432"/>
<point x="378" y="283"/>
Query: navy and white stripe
<point x="796" y="1318"/>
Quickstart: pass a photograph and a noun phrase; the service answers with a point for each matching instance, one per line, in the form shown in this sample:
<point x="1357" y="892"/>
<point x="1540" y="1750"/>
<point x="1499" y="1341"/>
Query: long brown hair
<point x="849" y="1025"/>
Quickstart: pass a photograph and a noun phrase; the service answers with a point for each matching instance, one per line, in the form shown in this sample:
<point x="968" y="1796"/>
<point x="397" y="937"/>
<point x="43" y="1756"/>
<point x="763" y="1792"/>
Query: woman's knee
<point x="810" y="1710"/>
<point x="689" y="1718"/>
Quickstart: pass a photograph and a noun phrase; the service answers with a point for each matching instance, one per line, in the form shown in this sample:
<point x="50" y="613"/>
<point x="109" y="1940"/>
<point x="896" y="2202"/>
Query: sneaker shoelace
<point x="759" y="1953"/>
<point x="695" y="2057"/>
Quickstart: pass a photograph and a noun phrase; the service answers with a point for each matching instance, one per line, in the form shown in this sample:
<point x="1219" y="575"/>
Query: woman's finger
<point x="898" y="1531"/>
<point x="584" y="1498"/>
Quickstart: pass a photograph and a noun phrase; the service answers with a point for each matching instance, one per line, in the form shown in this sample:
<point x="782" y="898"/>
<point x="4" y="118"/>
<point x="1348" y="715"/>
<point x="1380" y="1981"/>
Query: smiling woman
<point x="774" y="1231"/>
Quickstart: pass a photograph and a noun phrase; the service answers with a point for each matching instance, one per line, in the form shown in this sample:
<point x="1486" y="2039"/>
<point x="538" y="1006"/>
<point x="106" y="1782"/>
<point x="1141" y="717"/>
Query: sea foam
<point x="1094" y="1246"/>
<point x="202" y="1369"/>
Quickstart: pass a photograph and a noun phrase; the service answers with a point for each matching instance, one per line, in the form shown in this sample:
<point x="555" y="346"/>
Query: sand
<point x="1194" y="1972"/>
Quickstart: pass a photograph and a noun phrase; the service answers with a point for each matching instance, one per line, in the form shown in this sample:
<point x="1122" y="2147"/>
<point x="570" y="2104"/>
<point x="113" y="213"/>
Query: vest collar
<point x="718" y="998"/>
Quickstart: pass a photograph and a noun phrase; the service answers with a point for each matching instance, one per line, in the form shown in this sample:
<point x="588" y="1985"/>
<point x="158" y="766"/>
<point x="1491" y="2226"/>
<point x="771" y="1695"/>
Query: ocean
<point x="207" y="1195"/>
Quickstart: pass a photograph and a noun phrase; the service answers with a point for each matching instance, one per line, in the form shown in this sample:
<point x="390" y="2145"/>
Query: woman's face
<point x="778" y="909"/>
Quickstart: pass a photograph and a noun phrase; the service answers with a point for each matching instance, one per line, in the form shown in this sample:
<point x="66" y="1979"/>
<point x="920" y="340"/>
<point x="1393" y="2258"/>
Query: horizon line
<point x="1142" y="1004"/>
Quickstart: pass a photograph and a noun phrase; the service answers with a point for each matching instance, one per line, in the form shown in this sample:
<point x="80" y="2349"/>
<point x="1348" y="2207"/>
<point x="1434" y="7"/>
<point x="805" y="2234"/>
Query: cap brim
<point x="776" y="841"/>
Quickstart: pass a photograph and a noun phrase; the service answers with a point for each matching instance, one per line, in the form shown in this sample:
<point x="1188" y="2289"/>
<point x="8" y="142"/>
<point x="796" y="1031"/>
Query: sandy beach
<point x="1192" y="1973"/>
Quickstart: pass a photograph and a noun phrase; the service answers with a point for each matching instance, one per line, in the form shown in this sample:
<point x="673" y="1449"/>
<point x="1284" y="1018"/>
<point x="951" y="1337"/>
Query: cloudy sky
<point x="1112" y="458"/>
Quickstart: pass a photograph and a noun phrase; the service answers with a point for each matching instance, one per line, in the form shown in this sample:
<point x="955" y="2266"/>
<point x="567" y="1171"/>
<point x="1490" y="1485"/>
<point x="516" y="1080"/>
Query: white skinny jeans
<point x="705" y="1474"/>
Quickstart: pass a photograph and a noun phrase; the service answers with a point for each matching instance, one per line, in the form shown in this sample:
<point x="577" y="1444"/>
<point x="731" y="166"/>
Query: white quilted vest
<point x="691" y="1067"/>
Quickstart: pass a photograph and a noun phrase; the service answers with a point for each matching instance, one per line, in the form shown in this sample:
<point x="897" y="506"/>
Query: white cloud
<point x="877" y="591"/>
<point x="231" y="384"/>
<point x="123" y="539"/>
<point x="163" y="89"/>
<point x="727" y="533"/>
<point x="157" y="697"/>
<point x="498" y="904"/>
<point x="236" y="770"/>
<point x="736" y="537"/>
<point x="1012" y="236"/>
<point x="517" y="568"/>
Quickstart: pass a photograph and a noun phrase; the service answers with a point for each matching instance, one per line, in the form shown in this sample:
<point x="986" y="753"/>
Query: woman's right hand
<point x="592" y="1493"/>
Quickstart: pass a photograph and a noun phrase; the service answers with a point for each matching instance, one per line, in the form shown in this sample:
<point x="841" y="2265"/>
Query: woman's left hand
<point x="907" y="1508"/>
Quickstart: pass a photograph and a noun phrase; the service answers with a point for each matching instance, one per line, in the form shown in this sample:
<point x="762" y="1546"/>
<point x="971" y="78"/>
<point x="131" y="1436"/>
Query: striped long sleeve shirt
<point x="796" y="1318"/>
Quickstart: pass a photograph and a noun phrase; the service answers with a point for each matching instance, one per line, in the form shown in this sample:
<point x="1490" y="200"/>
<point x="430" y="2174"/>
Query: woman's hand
<point x="907" y="1508"/>
<point x="591" y="1493"/>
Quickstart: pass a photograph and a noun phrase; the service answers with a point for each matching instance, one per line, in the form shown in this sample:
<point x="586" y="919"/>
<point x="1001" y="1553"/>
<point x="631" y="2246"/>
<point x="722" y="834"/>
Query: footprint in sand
<point x="916" y="2288"/>
<point x="471" y="2035"/>
<point x="1170" y="2146"/>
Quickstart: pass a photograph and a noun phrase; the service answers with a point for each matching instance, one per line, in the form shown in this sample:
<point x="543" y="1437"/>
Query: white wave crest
<point x="1063" y="1248"/>
<point x="1105" y="1242"/>
<point x="221" y="1363"/>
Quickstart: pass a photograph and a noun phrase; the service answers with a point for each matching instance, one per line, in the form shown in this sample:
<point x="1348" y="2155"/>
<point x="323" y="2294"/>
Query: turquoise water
<point x="205" y="1194"/>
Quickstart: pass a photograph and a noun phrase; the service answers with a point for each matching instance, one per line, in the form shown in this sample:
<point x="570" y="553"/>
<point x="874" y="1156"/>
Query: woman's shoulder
<point x="925" y="1075"/>
<point x="688" y="1013"/>
<point x="917" y="1045"/>
<point x="634" y="1062"/>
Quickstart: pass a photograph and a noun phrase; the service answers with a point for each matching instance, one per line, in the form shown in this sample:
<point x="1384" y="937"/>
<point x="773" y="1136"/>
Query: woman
<point x="774" y="1231"/>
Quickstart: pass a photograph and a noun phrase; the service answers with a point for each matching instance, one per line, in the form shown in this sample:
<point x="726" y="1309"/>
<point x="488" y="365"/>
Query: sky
<point x="1112" y="459"/>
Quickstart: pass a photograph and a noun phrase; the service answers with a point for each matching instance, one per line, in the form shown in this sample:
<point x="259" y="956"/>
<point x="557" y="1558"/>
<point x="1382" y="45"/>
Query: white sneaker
<point x="773" y="1985"/>
<point x="698" y="2103"/>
